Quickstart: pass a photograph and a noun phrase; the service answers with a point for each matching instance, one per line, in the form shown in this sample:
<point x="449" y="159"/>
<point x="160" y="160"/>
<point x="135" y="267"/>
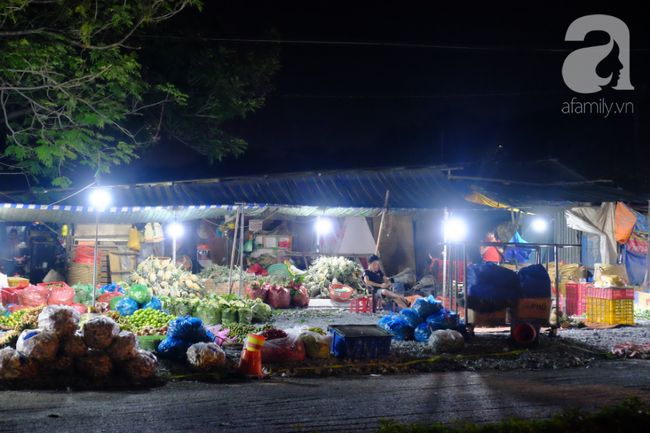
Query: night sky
<point x="497" y="96"/>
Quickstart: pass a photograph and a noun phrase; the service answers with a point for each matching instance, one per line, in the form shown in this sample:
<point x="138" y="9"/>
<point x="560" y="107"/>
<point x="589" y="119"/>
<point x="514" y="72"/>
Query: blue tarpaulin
<point x="635" y="264"/>
<point x="521" y="254"/>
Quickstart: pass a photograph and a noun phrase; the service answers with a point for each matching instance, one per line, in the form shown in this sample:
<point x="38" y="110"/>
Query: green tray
<point x="150" y="342"/>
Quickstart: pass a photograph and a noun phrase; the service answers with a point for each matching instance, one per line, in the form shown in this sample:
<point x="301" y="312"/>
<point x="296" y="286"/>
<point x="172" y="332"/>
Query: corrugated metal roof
<point x="340" y="193"/>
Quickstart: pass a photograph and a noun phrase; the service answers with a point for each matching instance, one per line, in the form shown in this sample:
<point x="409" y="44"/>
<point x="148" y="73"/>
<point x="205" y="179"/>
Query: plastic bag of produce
<point x="126" y="307"/>
<point x="411" y="317"/>
<point x="165" y="302"/>
<point x="61" y="320"/>
<point x="99" y="332"/>
<point x="82" y="293"/>
<point x="279" y="297"/>
<point x="81" y="308"/>
<point x="113" y="304"/>
<point x="443" y="319"/>
<point x="299" y="296"/>
<point x="287" y="349"/>
<point x="154" y="304"/>
<point x="398" y="326"/>
<point x="95" y="364"/>
<point x="12" y="363"/>
<point x="183" y="307"/>
<point x="422" y="332"/>
<point x="206" y="356"/>
<point x="174" y="349"/>
<point x="140" y="294"/>
<point x="228" y="316"/>
<point x="189" y="329"/>
<point x="108" y="296"/>
<point x="123" y="347"/>
<point x="261" y="312"/>
<point x="140" y="367"/>
<point x="446" y="341"/>
<point x="60" y="295"/>
<point x="209" y="314"/>
<point x="317" y="343"/>
<point x="245" y="316"/>
<point x="38" y="345"/>
<point x="257" y="291"/>
<point x="72" y="346"/>
<point x="33" y="296"/>
<point x="425" y="307"/>
<point x="58" y="365"/>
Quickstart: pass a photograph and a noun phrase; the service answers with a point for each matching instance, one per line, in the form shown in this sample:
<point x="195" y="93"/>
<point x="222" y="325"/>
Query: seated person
<point x="491" y="254"/>
<point x="374" y="277"/>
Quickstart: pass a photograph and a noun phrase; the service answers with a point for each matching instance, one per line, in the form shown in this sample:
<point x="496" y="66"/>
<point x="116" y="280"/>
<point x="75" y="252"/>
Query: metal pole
<point x="95" y="255"/>
<point x="241" y="251"/>
<point x="465" y="281"/>
<point x="557" y="282"/>
<point x="99" y="161"/>
<point x="454" y="263"/>
<point x="174" y="250"/>
<point x="232" y="254"/>
<point x="444" y="258"/>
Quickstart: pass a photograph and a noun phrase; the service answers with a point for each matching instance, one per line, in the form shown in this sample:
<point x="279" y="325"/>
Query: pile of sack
<point x="426" y="321"/>
<point x="57" y="347"/>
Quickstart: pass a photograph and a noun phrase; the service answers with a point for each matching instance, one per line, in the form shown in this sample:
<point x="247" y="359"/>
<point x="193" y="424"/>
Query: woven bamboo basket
<point x="81" y="273"/>
<point x="217" y="288"/>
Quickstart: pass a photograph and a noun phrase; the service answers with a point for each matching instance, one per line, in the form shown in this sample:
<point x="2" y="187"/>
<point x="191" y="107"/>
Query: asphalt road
<point x="325" y="405"/>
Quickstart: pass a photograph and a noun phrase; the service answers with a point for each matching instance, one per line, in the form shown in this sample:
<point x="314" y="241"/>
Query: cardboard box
<point x="496" y="318"/>
<point x="535" y="308"/>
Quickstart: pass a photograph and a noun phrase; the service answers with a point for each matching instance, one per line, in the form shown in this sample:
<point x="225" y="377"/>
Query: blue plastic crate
<point x="360" y="341"/>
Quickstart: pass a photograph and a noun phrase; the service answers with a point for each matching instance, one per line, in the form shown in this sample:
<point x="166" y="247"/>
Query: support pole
<point x="381" y="224"/>
<point x="465" y="281"/>
<point x="241" y="251"/>
<point x="647" y="256"/>
<point x="557" y="282"/>
<point x="232" y="253"/>
<point x="444" y="257"/>
<point x="99" y="161"/>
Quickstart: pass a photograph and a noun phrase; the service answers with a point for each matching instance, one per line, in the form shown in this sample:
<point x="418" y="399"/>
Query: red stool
<point x="361" y="305"/>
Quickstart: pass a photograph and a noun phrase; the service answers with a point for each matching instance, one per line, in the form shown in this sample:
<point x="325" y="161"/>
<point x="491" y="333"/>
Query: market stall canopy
<point x="336" y="194"/>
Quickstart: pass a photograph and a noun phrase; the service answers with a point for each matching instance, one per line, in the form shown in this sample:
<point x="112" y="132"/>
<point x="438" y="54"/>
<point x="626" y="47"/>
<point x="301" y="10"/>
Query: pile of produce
<point x="220" y="274"/>
<point x="164" y="278"/>
<point x="240" y="332"/>
<point x="333" y="270"/>
<point x="56" y="346"/>
<point x="20" y="320"/>
<point x="143" y="322"/>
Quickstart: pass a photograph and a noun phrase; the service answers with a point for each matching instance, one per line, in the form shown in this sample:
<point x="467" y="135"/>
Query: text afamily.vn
<point x="597" y="107"/>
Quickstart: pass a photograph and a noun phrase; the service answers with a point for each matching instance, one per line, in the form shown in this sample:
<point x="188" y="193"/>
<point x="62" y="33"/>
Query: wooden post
<point x="647" y="256"/>
<point x="232" y="255"/>
<point x="381" y="224"/>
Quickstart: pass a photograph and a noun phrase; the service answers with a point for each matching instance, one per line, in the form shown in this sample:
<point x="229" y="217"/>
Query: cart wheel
<point x="552" y="332"/>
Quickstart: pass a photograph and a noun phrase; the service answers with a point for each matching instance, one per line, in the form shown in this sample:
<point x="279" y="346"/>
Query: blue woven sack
<point x="173" y="349"/>
<point x="411" y="317"/>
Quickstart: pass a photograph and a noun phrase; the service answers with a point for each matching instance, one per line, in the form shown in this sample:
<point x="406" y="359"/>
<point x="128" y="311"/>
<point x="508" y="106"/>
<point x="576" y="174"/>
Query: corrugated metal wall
<point x="562" y="234"/>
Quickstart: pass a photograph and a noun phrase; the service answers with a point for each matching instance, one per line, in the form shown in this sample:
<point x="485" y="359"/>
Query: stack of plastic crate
<point x="576" y="299"/>
<point x="611" y="306"/>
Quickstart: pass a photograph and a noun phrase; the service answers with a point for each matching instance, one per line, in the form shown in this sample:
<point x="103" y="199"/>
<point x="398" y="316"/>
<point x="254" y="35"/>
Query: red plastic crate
<point x="9" y="296"/>
<point x="610" y="293"/>
<point x="574" y="307"/>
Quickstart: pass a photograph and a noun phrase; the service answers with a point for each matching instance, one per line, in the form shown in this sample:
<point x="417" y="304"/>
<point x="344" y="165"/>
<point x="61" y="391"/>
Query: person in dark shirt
<point x="374" y="277"/>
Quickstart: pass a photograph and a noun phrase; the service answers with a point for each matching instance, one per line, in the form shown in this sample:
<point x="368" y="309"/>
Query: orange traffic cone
<point x="251" y="357"/>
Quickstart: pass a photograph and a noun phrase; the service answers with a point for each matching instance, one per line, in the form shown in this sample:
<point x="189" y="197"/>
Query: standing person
<point x="374" y="277"/>
<point x="491" y="253"/>
<point x="9" y="252"/>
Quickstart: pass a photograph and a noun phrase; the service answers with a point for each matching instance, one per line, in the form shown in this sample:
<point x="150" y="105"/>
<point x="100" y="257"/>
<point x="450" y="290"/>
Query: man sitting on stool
<point x="374" y="277"/>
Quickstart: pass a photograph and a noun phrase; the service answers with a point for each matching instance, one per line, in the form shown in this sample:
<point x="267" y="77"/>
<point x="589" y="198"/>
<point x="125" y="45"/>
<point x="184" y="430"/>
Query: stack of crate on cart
<point x="610" y="306"/>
